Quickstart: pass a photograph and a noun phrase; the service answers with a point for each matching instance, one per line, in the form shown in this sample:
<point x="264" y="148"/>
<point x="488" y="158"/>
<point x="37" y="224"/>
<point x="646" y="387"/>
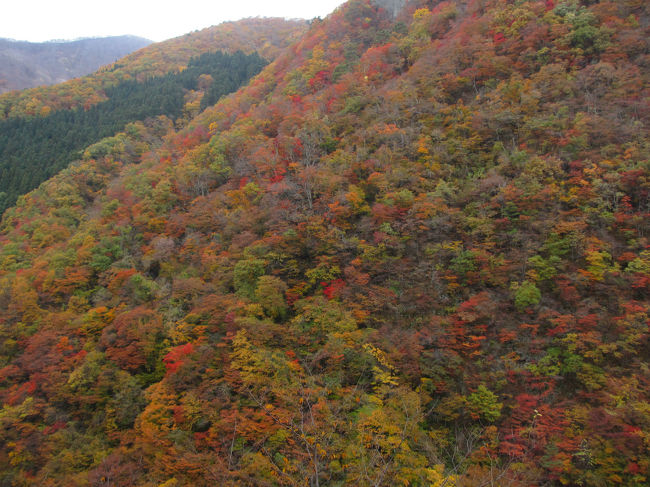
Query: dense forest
<point x="412" y="251"/>
<point x="33" y="150"/>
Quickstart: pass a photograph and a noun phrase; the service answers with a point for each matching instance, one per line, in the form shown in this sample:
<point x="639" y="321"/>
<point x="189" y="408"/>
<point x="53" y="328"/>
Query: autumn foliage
<point x="411" y="251"/>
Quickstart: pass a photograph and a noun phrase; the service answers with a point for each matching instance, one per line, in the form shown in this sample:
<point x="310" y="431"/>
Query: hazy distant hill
<point x="27" y="64"/>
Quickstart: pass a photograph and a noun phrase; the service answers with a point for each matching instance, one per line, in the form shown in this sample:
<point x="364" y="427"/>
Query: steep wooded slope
<point x="410" y="252"/>
<point x="29" y="64"/>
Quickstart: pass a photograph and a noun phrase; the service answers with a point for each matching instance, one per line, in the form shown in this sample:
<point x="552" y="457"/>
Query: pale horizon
<point x="69" y="20"/>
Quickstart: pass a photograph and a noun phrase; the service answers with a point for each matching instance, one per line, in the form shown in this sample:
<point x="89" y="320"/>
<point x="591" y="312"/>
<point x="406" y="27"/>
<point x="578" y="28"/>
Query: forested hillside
<point x="412" y="251"/>
<point x="29" y="64"/>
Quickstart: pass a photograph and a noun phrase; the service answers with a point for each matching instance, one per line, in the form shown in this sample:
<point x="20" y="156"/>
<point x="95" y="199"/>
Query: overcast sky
<point x="42" y="20"/>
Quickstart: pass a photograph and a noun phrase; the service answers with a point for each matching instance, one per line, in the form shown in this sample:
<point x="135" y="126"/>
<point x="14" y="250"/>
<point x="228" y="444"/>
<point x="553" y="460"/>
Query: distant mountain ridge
<point x="28" y="64"/>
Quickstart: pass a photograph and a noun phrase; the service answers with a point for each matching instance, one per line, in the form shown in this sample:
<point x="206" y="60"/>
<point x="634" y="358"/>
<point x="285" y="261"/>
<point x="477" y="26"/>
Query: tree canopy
<point x="412" y="251"/>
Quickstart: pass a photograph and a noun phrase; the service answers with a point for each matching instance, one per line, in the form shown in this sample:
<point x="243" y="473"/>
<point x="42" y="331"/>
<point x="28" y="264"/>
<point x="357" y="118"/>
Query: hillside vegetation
<point x="412" y="251"/>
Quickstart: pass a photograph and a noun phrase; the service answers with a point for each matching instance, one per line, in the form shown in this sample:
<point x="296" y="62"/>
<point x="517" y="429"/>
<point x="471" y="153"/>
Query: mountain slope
<point x="27" y="64"/>
<point x="412" y="251"/>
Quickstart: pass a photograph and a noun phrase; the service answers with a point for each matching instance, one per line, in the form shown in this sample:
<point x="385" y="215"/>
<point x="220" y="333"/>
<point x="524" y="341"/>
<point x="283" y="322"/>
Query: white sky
<point x="41" y="20"/>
